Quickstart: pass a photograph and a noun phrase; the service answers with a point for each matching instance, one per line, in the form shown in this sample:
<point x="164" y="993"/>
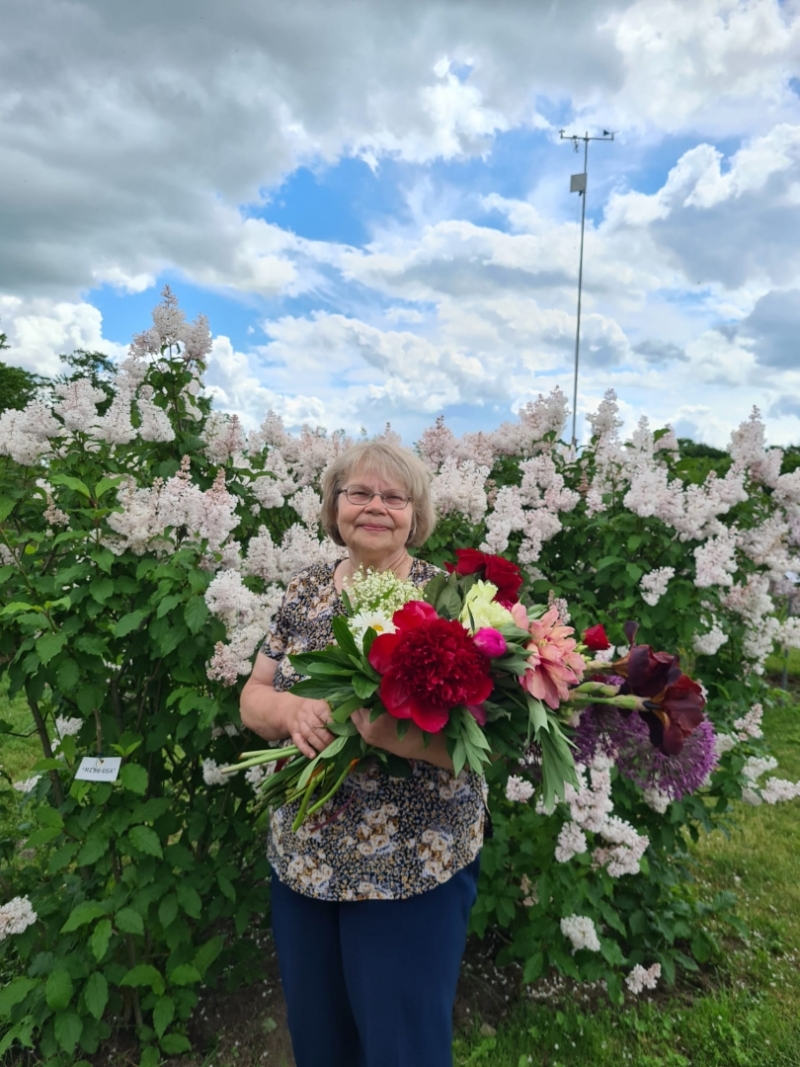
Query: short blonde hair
<point x="388" y="461"/>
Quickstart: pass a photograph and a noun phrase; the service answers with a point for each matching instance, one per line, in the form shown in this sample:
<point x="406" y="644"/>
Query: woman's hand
<point x="383" y="734"/>
<point x="307" y="726"/>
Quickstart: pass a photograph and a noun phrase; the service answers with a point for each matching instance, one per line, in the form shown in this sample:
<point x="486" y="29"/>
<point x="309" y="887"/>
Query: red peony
<point x="595" y="638"/>
<point x="429" y="666"/>
<point x="495" y="569"/>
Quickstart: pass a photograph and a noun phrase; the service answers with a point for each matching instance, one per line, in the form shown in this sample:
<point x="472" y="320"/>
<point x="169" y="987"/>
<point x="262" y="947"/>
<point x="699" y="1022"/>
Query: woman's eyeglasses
<point x="362" y="494"/>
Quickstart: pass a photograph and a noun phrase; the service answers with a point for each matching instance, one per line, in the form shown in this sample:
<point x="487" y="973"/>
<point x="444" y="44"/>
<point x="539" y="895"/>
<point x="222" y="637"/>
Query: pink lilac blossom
<point x="300" y="548"/>
<point x="506" y="516"/>
<point x="748" y="451"/>
<point x="15" y="916"/>
<point x="196" y="339"/>
<point x="307" y="505"/>
<point x="530" y="897"/>
<point x="640" y="978"/>
<point x="654" y="585"/>
<point x="261" y="557"/>
<point x="267" y="492"/>
<point x="580" y="930"/>
<point x="519" y="790"/>
<point x="270" y="433"/>
<point x="115" y="426"/>
<point x="168" y="319"/>
<point x="53" y="515"/>
<point x="477" y="447"/>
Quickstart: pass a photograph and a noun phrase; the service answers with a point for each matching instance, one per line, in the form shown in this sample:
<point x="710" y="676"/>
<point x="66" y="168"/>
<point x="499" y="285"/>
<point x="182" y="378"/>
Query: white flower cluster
<point x="710" y="642"/>
<point x="15" y="916"/>
<point x="641" y="978"/>
<point x="380" y="591"/>
<point x="224" y="439"/>
<point x="580" y="930"/>
<point x="654" y="584"/>
<point x="774" y="791"/>
<point x="460" y="487"/>
<point x="27" y="784"/>
<point x="246" y="616"/>
<point x="752" y="602"/>
<point x="590" y="808"/>
<point x="519" y="790"/>
<point x="212" y="775"/>
<point x="750" y="724"/>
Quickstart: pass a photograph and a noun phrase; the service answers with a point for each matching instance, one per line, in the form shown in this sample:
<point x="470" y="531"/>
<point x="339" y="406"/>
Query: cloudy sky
<point x="370" y="201"/>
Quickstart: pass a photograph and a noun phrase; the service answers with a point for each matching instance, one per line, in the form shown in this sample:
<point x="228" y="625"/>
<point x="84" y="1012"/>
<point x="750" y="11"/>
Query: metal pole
<point x="580" y="290"/>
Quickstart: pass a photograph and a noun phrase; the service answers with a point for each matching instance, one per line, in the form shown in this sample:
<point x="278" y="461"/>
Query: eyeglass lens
<point x="361" y="494"/>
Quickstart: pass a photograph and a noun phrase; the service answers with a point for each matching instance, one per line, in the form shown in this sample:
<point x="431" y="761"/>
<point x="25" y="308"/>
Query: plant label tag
<point x="99" y="768"/>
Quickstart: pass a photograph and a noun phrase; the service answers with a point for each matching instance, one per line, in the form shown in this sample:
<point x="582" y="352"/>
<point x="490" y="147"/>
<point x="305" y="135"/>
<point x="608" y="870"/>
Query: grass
<point x="17" y="753"/>
<point x="746" y="1010"/>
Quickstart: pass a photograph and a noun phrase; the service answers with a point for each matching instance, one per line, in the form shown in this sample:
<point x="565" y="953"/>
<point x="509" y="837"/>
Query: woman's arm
<point x="275" y="716"/>
<point x="383" y="734"/>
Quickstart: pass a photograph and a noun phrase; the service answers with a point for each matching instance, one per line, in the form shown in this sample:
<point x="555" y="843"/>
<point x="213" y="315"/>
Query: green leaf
<point x="174" y="1044"/>
<point x="190" y="901"/>
<point x="184" y="974"/>
<point x="534" y="967"/>
<point x="107" y="483"/>
<point x="96" y="994"/>
<point x="58" y="990"/>
<point x="150" y="1057"/>
<point x="82" y="914"/>
<point x="132" y="621"/>
<point x="101" y="589"/>
<point x="145" y="974"/>
<point x="14" y="993"/>
<point x="207" y="953"/>
<point x="146" y="840"/>
<point x="168" y="910"/>
<point x="68" y="1029"/>
<point x="71" y="483"/>
<point x="94" y="847"/>
<point x="49" y="645"/>
<point x="226" y="886"/>
<point x="128" y="920"/>
<point x="18" y="606"/>
<point x="364" y="687"/>
<point x="101" y="935"/>
<point x="43" y="836"/>
<point x="344" y="639"/>
<point x="163" y="1014"/>
<point x="67" y="675"/>
<point x="167" y="604"/>
<point x="195" y="613"/>
<point x="634" y="571"/>
<point x="7" y="505"/>
<point x="134" y="777"/>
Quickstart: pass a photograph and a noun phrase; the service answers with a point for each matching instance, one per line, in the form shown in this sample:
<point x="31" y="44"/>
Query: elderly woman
<point x="371" y="901"/>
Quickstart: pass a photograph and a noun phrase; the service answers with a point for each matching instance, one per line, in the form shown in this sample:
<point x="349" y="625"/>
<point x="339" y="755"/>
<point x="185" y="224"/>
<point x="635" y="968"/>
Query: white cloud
<point x="40" y="330"/>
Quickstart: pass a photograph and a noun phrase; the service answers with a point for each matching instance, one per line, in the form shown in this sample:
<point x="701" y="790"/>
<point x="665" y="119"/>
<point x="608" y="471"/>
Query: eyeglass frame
<point x="375" y="492"/>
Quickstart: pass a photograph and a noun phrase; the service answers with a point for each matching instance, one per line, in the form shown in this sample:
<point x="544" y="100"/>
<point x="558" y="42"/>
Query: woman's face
<point x="373" y="530"/>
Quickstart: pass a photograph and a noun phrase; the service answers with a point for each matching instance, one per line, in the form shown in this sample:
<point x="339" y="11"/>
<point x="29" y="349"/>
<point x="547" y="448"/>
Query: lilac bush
<point x="145" y="541"/>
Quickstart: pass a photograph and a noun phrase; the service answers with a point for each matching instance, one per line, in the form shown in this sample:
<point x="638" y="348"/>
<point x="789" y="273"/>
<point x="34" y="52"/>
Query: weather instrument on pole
<point x="577" y="184"/>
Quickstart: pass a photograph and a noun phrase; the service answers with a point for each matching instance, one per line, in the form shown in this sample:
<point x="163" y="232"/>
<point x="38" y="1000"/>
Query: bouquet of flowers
<point x="466" y="659"/>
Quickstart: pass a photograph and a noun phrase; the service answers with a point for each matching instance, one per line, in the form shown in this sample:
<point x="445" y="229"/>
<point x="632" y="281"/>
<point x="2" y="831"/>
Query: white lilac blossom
<point x="15" y="916"/>
<point x="267" y="492"/>
<point x="748" y="451"/>
<point x="518" y="789"/>
<point x="261" y="557"/>
<point x="78" y="404"/>
<point x="506" y="516"/>
<point x="27" y="784"/>
<point x="307" y="505"/>
<point x="230" y="729"/>
<point x="709" y="643"/>
<point x="627" y="848"/>
<point x="749" y="725"/>
<point x="53" y="515"/>
<point x="530" y="897"/>
<point x="25" y="435"/>
<point x="656" y="800"/>
<point x="212" y="775"/>
<point x="641" y="978"/>
<point x="156" y="425"/>
<point x="460" y="487"/>
<point x="774" y="791"/>
<point x="571" y="842"/>
<point x="654" y="585"/>
<point x="580" y="930"/>
<point x="224" y="439"/>
<point x="715" y="561"/>
<point x="436" y="444"/>
<point x="115" y="426"/>
<point x="788" y="635"/>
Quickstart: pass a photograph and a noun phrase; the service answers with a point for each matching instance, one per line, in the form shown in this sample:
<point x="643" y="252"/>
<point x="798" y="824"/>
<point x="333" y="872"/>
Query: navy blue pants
<point x="372" y="983"/>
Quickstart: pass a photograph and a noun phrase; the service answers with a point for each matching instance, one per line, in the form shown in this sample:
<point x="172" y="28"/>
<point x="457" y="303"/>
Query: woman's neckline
<point x="335" y="564"/>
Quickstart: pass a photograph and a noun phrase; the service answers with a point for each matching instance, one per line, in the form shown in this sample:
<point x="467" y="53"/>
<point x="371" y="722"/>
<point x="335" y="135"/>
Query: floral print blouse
<point x="379" y="838"/>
